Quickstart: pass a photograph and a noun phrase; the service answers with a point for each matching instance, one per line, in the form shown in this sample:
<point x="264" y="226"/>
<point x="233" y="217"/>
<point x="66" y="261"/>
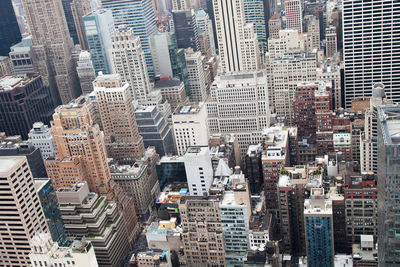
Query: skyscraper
<point x="18" y="220"/>
<point x="80" y="8"/>
<point x="138" y="15"/>
<point x="186" y="31"/>
<point x="318" y="220"/>
<point x="254" y="13"/>
<point x="294" y="15"/>
<point x="52" y="48"/>
<point x="99" y="27"/>
<point x="388" y="190"/>
<point x="117" y="113"/>
<point x="128" y="60"/>
<point x="86" y="72"/>
<point x="237" y="41"/>
<point x="194" y="65"/>
<point x="23" y="101"/>
<point x="9" y="30"/>
<point x="239" y="104"/>
<point x="371" y="27"/>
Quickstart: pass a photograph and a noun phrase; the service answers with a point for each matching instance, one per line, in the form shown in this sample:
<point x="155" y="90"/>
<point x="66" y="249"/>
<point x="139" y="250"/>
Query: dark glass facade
<point x="70" y="20"/>
<point x="9" y="30"/>
<point x="49" y="202"/>
<point x="24" y="103"/>
<point x="186" y="29"/>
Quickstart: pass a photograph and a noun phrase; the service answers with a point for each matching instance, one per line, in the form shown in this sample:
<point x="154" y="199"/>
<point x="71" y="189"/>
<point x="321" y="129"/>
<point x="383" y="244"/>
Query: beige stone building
<point x="52" y="48"/>
<point x="21" y="214"/>
<point x="172" y="91"/>
<point x="202" y="235"/>
<point x="117" y="113"/>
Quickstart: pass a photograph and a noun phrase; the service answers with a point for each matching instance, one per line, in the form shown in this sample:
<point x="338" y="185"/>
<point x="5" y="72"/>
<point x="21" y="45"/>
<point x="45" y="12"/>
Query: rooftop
<point x="389" y="116"/>
<point x="7" y="164"/>
<point x="8" y="83"/>
<point x="193" y="108"/>
<point x="167" y="83"/>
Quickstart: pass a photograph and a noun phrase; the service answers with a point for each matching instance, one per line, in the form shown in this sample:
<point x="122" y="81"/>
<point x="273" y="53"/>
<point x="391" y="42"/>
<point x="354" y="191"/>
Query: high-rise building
<point x="121" y="135"/>
<point x="205" y="30"/>
<point x="381" y="60"/>
<point x="274" y="26"/>
<point x="21" y="56"/>
<point x="202" y="231"/>
<point x="168" y="60"/>
<point x="32" y="154"/>
<point x="293" y="187"/>
<point x="194" y="65"/>
<point x="128" y="60"/>
<point x="254" y="13"/>
<point x="155" y="130"/>
<point x="9" y="30"/>
<point x="173" y="91"/>
<point x="294" y="15"/>
<point x="186" y="31"/>
<point x="138" y="15"/>
<point x="253" y="167"/>
<point x="48" y="253"/>
<point x="6" y="67"/>
<point x="275" y="157"/>
<point x="48" y="200"/>
<point x="331" y="41"/>
<point x="80" y="8"/>
<point x="388" y="191"/>
<point x="19" y="223"/>
<point x="239" y="104"/>
<point x="312" y="26"/>
<point x="40" y="136"/>
<point x="237" y="41"/>
<point x="78" y="154"/>
<point x="236" y="200"/>
<point x="369" y="141"/>
<point x="86" y="72"/>
<point x="99" y="27"/>
<point x="53" y="60"/>
<point x="287" y="72"/>
<point x="66" y="4"/>
<point x="189" y="123"/>
<point x="361" y="206"/>
<point x="199" y="171"/>
<point x="102" y="225"/>
<point x="180" y="4"/>
<point x="318" y="220"/>
<point x="23" y="101"/>
<point x="329" y="71"/>
<point x="136" y="182"/>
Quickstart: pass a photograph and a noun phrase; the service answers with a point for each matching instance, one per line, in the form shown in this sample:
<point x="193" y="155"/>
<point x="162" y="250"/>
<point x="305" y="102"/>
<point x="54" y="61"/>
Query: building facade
<point x="17" y="219"/>
<point x="380" y="62"/>
<point x="99" y="27"/>
<point x="138" y="15"/>
<point x="86" y="72"/>
<point x="128" y="60"/>
<point x="53" y="60"/>
<point x="9" y="30"/>
<point x="24" y="101"/>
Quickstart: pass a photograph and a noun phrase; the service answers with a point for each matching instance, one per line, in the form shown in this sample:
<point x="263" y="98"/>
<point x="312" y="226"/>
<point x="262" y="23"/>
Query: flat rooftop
<point x="188" y="109"/>
<point x="389" y="116"/>
<point x="8" y="83"/>
<point x="8" y="163"/>
<point x="167" y="83"/>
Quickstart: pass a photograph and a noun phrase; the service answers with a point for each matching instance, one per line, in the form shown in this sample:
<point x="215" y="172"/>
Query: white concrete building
<point x="331" y="72"/>
<point x="128" y="60"/>
<point x="85" y="72"/>
<point x="287" y="71"/>
<point x="287" y="40"/>
<point x="197" y="80"/>
<point x="41" y="137"/>
<point x="45" y="252"/>
<point x="160" y="43"/>
<point x="237" y="41"/>
<point x="199" y="171"/>
<point x="190" y="126"/>
<point x="239" y="104"/>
